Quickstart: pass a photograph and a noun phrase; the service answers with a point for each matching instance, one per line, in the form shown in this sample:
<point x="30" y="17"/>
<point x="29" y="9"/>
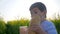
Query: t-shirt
<point x="49" y="27"/>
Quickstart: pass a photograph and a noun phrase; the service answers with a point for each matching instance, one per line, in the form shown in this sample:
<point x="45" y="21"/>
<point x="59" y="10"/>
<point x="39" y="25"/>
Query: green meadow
<point x="12" y="27"/>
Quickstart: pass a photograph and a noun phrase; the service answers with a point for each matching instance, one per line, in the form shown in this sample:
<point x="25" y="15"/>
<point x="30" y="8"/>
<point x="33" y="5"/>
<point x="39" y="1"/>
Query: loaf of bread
<point x="34" y="21"/>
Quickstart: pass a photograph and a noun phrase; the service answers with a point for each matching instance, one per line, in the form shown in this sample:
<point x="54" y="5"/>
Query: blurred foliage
<point x="24" y="22"/>
<point x="12" y="27"/>
<point x="57" y="24"/>
<point x="2" y="27"/>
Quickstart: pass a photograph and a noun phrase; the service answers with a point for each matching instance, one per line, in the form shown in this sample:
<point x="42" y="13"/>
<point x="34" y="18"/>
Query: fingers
<point x="23" y="30"/>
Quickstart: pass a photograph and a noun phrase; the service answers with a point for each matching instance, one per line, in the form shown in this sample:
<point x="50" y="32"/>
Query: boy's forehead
<point x="34" y="9"/>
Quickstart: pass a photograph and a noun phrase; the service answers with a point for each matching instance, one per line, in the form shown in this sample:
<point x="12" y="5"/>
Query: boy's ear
<point x="44" y="12"/>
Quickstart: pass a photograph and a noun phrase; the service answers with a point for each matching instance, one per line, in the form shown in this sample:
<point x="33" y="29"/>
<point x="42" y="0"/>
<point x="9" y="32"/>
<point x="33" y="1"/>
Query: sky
<point x="14" y="9"/>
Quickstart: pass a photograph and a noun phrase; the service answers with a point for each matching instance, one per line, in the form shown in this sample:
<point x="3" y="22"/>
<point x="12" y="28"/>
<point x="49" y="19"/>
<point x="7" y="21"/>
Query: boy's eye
<point x="35" y="12"/>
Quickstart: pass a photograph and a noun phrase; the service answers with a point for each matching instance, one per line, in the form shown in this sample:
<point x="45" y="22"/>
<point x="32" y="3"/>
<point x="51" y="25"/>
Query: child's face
<point x="36" y="11"/>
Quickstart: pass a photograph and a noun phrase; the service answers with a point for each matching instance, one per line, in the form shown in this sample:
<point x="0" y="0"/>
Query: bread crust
<point x="34" y="21"/>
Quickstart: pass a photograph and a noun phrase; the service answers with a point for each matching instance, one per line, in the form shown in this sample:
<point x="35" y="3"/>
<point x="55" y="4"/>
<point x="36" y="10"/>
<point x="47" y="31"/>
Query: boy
<point x="45" y="27"/>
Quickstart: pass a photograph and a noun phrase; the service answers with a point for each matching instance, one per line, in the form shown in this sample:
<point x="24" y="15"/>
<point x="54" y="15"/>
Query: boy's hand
<point x="35" y="29"/>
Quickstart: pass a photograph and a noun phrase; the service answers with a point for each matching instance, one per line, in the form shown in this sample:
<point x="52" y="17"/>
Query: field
<point x="12" y="27"/>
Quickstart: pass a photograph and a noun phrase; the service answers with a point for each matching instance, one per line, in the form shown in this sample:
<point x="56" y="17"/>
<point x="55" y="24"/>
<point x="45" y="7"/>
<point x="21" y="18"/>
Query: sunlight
<point x="10" y="9"/>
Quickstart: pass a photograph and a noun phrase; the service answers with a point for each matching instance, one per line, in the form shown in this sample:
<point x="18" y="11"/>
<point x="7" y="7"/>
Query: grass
<point x="12" y="27"/>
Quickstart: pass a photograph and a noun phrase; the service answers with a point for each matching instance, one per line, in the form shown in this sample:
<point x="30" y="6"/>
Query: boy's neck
<point x="43" y="19"/>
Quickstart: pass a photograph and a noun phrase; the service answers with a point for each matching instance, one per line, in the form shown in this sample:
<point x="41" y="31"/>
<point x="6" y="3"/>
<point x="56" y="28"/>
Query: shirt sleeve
<point x="49" y="27"/>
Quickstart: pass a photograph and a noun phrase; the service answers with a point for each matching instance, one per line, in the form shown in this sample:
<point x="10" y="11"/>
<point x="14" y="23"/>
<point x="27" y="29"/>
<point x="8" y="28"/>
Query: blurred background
<point x="15" y="13"/>
<point x="12" y="9"/>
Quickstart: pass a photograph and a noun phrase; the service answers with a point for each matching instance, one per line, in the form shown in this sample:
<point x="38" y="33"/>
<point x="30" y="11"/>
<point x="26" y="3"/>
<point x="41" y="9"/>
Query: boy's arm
<point x="41" y="31"/>
<point x="49" y="27"/>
